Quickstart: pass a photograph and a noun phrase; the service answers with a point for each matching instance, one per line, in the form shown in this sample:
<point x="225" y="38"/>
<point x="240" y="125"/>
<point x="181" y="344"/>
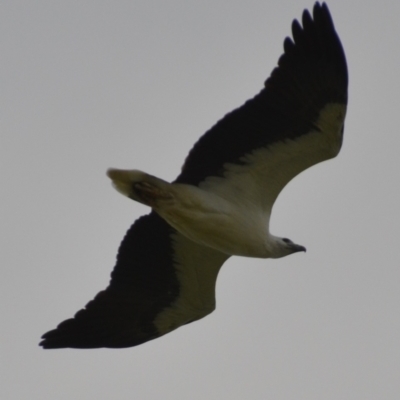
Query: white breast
<point x="235" y="227"/>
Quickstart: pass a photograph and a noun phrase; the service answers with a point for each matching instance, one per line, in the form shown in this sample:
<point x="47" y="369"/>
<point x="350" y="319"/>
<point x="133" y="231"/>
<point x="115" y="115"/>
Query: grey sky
<point x="133" y="84"/>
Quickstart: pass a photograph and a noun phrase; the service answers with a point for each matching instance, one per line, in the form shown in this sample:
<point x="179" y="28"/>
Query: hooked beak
<point x="297" y="248"/>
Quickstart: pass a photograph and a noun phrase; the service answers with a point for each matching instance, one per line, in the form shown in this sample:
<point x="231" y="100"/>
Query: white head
<point x="282" y="247"/>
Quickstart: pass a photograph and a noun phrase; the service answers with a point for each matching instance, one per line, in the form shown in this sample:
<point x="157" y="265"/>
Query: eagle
<point x="220" y="204"/>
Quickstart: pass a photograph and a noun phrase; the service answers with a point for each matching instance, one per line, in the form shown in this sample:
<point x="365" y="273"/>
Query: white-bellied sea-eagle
<point x="220" y="204"/>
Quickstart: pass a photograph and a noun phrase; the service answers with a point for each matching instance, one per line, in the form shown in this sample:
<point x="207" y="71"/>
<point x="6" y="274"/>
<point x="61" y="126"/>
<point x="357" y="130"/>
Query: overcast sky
<point x="88" y="85"/>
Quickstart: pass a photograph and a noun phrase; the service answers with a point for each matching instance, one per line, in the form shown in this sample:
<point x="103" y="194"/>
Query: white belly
<point x="208" y="219"/>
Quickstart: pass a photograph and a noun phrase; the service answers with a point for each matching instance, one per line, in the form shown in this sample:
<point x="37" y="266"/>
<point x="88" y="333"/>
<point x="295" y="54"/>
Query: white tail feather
<point x="128" y="183"/>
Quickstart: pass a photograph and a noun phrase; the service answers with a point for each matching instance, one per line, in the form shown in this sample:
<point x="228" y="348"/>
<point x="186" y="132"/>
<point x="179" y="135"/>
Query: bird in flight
<point x="220" y="204"/>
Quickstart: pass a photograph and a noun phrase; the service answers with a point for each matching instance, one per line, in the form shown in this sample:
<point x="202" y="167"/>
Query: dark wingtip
<point x="53" y="339"/>
<point x="46" y="345"/>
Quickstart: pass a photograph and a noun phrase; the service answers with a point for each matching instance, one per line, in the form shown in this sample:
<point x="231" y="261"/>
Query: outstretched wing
<point x="161" y="281"/>
<point x="295" y="122"/>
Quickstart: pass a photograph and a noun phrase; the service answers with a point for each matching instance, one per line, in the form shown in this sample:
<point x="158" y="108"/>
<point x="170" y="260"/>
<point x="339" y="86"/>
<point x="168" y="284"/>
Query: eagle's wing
<point x="161" y="281"/>
<point x="295" y="122"/>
